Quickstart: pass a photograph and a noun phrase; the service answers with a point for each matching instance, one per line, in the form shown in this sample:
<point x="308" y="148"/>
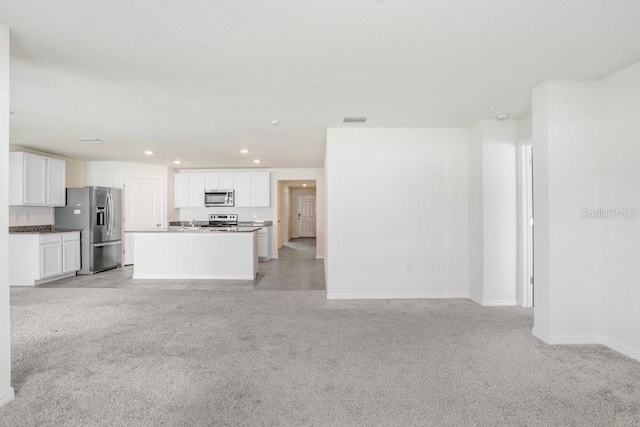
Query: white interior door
<point x="142" y="210"/>
<point x="307" y="216"/>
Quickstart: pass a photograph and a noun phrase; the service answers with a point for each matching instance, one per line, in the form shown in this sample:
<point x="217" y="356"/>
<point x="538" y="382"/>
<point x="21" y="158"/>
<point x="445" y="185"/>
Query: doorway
<point x="296" y="210"/>
<point x="526" y="280"/>
<point x="141" y="210"/>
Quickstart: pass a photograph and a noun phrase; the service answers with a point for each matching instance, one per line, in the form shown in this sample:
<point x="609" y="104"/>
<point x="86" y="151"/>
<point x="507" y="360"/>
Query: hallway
<point x="297" y="268"/>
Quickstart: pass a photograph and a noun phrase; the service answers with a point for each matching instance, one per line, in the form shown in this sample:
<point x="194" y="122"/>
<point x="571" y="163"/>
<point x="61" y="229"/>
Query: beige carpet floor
<point x="111" y="357"/>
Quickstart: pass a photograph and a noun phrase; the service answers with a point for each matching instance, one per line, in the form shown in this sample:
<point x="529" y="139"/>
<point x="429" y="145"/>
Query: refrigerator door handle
<point x="110" y="214"/>
<point x="99" y="245"/>
<point x="108" y="210"/>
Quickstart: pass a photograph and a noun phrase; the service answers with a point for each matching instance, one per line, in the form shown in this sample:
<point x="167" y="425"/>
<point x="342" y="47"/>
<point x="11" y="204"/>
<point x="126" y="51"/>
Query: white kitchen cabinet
<point x="196" y="190"/>
<point x="264" y="244"/>
<point x="36" y="180"/>
<point x="252" y="189"/>
<point x="40" y="258"/>
<point x="56" y="182"/>
<point x="70" y="252"/>
<point x="211" y="181"/>
<point x="218" y="181"/>
<point x="260" y="189"/>
<point x="188" y="190"/>
<point x="242" y="187"/>
<point x="181" y="190"/>
<point x="50" y="259"/>
<point x="225" y="180"/>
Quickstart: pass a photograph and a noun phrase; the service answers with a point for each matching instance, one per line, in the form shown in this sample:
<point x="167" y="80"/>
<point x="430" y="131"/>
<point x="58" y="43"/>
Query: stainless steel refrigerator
<point x="97" y="211"/>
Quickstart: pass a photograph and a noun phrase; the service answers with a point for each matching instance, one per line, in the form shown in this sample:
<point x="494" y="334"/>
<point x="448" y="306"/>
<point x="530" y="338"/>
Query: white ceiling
<point x="199" y="79"/>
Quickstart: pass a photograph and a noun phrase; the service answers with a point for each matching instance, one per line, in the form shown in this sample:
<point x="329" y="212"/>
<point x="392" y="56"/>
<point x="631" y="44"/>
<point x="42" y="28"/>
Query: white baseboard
<point x="408" y="295"/>
<point x="475" y="299"/>
<point x="566" y="339"/>
<point x="614" y="345"/>
<point x="7" y="396"/>
<point x="499" y="302"/>
<point x="493" y="303"/>
<point x="631" y="352"/>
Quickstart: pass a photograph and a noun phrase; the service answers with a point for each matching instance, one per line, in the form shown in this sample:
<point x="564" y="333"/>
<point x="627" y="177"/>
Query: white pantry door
<point x="306" y="216"/>
<point x="142" y="210"/>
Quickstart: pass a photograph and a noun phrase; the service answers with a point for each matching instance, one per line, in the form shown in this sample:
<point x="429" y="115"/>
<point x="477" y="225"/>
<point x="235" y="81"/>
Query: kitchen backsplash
<point x="30" y="215"/>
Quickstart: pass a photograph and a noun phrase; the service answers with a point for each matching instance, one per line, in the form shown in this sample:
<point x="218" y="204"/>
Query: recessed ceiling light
<point x="256" y="161"/>
<point x="91" y="140"/>
<point x="304" y="185"/>
<point x="244" y="151"/>
<point x="177" y="162"/>
<point x="275" y="122"/>
<point x="149" y="153"/>
<point x="502" y="116"/>
<point x="355" y="119"/>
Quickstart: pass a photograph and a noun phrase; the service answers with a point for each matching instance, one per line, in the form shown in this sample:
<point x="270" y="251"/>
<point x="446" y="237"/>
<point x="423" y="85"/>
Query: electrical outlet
<point x="409" y="268"/>
<point x="17" y="217"/>
<point x="255" y="215"/>
<point x="27" y="217"/>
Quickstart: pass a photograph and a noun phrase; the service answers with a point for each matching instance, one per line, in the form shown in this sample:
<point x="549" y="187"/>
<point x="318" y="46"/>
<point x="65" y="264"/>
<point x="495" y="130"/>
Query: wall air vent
<point x="354" y="119"/>
<point x="91" y="140"/>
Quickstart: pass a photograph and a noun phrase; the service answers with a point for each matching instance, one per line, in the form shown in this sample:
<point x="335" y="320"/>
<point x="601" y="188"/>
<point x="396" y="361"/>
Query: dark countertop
<point x="240" y="223"/>
<point x="39" y="229"/>
<point x="255" y="223"/>
<point x="197" y="230"/>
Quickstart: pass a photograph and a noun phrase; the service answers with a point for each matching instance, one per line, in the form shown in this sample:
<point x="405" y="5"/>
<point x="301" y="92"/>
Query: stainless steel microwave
<point x="217" y="198"/>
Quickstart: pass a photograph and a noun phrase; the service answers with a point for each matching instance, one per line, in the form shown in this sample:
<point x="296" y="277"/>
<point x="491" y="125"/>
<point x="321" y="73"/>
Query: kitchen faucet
<point x="193" y="223"/>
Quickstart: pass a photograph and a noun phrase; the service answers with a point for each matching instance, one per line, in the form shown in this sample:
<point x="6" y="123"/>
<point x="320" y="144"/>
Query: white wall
<point x="270" y="213"/>
<point x="410" y="210"/>
<point x="493" y="212"/>
<point x="6" y="391"/>
<point x="112" y="174"/>
<point x="620" y="130"/>
<point x="567" y="178"/>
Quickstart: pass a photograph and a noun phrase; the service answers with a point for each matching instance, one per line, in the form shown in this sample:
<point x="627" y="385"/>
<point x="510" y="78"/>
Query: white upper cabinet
<point x="218" y="181"/>
<point x="260" y="189"/>
<point x="56" y="172"/>
<point x="36" y="180"/>
<point x="242" y="187"/>
<point x="189" y="190"/>
<point x="196" y="190"/>
<point x="211" y="181"/>
<point x="226" y="181"/>
<point x="252" y="189"/>
<point x="181" y="190"/>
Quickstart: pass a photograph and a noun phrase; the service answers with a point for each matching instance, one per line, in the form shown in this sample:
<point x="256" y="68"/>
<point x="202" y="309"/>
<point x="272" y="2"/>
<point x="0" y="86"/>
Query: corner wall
<point x="6" y="391"/>
<point x="620" y="139"/>
<point x="397" y="201"/>
<point x="493" y="212"/>
<point x="567" y="179"/>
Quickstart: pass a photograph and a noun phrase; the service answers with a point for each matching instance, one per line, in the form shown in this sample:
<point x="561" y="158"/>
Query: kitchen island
<point x="196" y="253"/>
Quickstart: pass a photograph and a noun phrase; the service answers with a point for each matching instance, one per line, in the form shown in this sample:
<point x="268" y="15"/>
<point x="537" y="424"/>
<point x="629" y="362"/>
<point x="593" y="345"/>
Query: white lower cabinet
<point x="50" y="260"/>
<point x="40" y="258"/>
<point x="70" y="254"/>
<point x="264" y="244"/>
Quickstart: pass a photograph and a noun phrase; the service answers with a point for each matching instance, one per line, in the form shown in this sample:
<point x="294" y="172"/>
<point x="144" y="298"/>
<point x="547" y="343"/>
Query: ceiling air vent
<point x="354" y="119"/>
<point x="91" y="140"/>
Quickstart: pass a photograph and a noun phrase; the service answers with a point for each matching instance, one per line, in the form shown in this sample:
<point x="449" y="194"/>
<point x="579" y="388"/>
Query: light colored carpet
<point x="108" y="357"/>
